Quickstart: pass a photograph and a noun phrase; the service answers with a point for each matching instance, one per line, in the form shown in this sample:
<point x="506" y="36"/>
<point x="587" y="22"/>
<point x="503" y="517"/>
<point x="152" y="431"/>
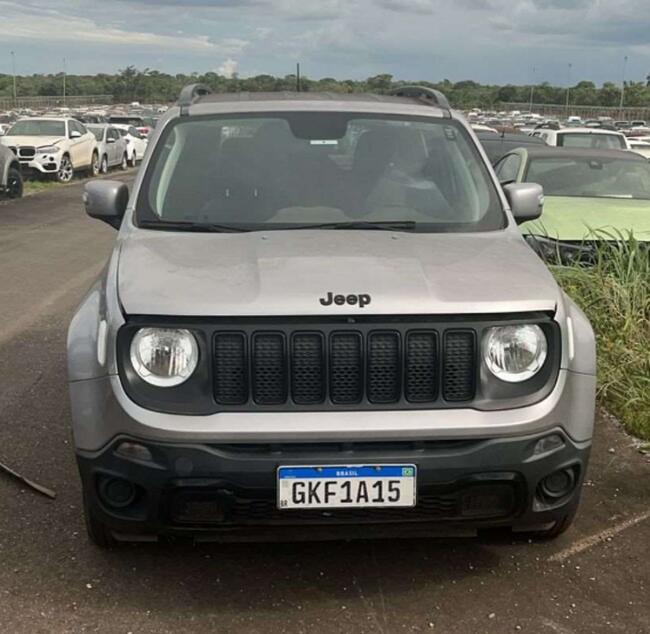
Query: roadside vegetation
<point x="615" y="295"/>
<point x="148" y="85"/>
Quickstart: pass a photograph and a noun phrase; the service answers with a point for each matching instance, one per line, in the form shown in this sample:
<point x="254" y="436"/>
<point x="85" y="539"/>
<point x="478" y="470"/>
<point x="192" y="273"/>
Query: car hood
<point x="576" y="219"/>
<point x="37" y="141"/>
<point x="287" y="272"/>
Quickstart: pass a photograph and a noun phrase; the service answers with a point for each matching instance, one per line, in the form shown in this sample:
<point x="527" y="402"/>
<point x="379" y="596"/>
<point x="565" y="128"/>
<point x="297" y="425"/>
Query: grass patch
<point x="614" y="292"/>
<point x="35" y="186"/>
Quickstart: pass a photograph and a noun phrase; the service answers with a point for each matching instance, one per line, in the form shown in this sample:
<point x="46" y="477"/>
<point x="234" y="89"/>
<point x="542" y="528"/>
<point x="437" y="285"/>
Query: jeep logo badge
<point x="361" y="300"/>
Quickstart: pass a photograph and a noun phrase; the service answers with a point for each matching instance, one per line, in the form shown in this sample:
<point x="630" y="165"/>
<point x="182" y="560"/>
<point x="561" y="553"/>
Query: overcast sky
<point x="497" y="41"/>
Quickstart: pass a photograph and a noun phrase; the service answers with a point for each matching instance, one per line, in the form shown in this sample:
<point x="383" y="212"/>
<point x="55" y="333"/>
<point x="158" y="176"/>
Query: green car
<point x="590" y="195"/>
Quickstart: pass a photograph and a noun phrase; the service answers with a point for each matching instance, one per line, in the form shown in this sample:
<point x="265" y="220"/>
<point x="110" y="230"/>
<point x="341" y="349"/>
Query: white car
<point x="640" y="147"/>
<point x="111" y="145"/>
<point x="595" y="138"/>
<point x="136" y="144"/>
<point x="56" y="146"/>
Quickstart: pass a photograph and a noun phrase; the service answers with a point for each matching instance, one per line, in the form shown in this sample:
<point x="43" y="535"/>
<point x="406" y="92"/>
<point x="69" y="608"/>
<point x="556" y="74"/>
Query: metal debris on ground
<point x="32" y="485"/>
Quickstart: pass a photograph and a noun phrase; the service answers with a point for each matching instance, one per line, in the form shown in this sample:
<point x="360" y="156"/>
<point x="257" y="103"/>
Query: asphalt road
<point x="596" y="578"/>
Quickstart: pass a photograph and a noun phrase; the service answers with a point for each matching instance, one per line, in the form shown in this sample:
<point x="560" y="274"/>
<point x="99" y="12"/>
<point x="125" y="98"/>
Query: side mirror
<point x="526" y="201"/>
<point x="75" y="134"/>
<point x="107" y="201"/>
<point x="110" y="140"/>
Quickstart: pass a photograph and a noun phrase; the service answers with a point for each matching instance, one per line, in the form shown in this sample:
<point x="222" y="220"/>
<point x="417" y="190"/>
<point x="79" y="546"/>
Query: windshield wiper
<point x="387" y="225"/>
<point x="180" y="225"/>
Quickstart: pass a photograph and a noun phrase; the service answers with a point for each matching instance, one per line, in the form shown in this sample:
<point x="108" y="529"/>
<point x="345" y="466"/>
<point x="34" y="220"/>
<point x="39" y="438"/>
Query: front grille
<point x="339" y="368"/>
<point x="26" y="152"/>
<point x="223" y="507"/>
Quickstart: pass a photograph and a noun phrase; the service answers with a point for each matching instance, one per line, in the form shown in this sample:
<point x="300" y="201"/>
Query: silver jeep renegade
<point x="320" y="319"/>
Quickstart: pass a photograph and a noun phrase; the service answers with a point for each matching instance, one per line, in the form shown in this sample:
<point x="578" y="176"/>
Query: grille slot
<point x="307" y="369"/>
<point x="384" y="372"/>
<point x="346" y="368"/>
<point x="230" y="369"/>
<point x="459" y="363"/>
<point x="269" y="369"/>
<point x="421" y="383"/>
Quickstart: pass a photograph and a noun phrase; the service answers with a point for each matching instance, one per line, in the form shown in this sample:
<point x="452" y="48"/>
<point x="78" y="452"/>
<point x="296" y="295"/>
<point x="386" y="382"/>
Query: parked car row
<point x="60" y="147"/>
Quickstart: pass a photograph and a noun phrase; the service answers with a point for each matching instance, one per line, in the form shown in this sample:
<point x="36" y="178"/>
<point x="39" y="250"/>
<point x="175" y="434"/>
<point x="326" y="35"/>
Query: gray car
<point x="320" y="318"/>
<point x="11" y="177"/>
<point x="111" y="146"/>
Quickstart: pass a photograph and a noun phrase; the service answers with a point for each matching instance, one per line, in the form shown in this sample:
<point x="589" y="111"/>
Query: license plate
<point x="371" y="486"/>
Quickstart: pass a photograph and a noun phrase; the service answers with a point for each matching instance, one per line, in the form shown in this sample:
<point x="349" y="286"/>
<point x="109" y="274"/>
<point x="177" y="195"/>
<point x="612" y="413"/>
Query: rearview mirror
<point x="526" y="201"/>
<point x="107" y="201"/>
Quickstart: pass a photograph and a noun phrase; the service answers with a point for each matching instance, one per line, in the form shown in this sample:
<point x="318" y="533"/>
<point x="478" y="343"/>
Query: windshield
<point x="589" y="140"/>
<point x="38" y="127"/>
<point x="137" y="121"/>
<point x="295" y="169"/>
<point x="591" y="177"/>
<point x="98" y="132"/>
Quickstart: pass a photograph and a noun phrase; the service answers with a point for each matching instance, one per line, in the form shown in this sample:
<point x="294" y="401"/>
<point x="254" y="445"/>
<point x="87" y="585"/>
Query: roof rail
<point x="191" y="94"/>
<point x="425" y="94"/>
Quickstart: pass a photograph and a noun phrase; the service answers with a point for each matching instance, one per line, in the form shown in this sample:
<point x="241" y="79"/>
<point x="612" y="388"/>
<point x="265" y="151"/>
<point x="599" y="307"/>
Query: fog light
<point x="117" y="492"/>
<point x="548" y="444"/>
<point x="558" y="485"/>
<point x="134" y="451"/>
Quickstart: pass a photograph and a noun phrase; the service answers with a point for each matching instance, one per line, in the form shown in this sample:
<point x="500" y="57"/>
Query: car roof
<point x="47" y="118"/>
<point x="589" y="131"/>
<point x="314" y="101"/>
<point x="510" y="137"/>
<point x="584" y="153"/>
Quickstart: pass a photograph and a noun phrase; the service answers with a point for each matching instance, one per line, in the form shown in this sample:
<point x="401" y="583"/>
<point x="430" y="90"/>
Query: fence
<point x="586" y="112"/>
<point x="36" y="103"/>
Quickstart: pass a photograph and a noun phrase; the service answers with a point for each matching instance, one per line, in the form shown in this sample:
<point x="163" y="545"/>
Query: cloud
<point x="419" y="7"/>
<point x="16" y="25"/>
<point x="229" y="68"/>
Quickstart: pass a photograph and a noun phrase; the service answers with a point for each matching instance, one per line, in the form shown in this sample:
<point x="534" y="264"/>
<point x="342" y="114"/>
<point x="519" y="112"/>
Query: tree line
<point x="152" y="86"/>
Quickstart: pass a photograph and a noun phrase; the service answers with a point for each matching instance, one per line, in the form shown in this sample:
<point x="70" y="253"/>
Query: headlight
<point x="49" y="149"/>
<point x="164" y="357"/>
<point x="515" y="353"/>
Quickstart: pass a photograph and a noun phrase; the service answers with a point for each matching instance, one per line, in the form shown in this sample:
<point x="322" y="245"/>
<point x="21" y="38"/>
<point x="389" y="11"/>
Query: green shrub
<point x="614" y="292"/>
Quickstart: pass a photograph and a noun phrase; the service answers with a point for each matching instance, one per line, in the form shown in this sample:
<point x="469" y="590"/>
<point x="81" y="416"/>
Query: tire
<point x="66" y="170"/>
<point x="14" y="188"/>
<point x="94" y="165"/>
<point x="124" y="165"/>
<point x="103" y="166"/>
<point x="134" y="159"/>
<point x="98" y="533"/>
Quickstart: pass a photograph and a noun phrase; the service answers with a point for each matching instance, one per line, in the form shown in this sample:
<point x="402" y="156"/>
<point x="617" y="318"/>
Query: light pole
<point x="568" y="90"/>
<point x="13" y="71"/>
<point x="64" y="79"/>
<point x="623" y="87"/>
<point x="532" y="91"/>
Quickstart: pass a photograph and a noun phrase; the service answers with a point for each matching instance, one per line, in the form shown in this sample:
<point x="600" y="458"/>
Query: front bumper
<point x="42" y="163"/>
<point x="216" y="490"/>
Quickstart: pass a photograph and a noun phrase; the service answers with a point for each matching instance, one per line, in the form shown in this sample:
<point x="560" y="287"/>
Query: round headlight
<point x="164" y="357"/>
<point x="515" y="353"/>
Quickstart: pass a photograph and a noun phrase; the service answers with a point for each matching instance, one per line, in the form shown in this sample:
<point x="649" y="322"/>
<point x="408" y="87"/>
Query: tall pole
<point x="13" y="70"/>
<point x="298" y="77"/>
<point x="623" y="87"/>
<point x="65" y="72"/>
<point x="568" y="90"/>
<point x="532" y="91"/>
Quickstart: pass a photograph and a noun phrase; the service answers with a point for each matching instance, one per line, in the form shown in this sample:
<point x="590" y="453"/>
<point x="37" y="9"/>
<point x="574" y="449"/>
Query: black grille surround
<point x="339" y="364"/>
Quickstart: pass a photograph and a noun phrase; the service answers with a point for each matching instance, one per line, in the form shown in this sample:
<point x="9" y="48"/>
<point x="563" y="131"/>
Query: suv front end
<point x="231" y="381"/>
